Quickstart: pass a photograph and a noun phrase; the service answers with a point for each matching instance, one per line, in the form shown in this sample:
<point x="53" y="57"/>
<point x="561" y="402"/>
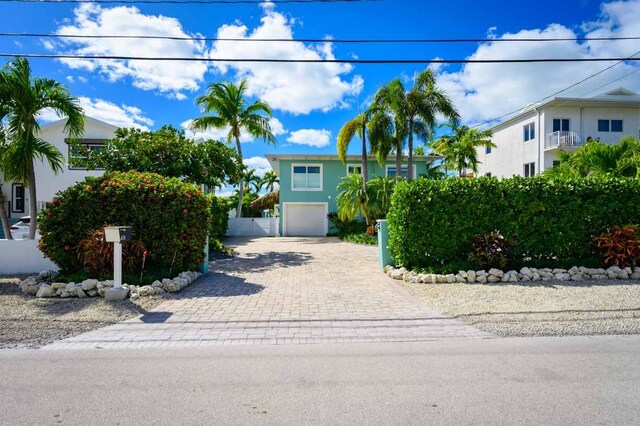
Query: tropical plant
<point x="252" y="181"/>
<point x="415" y="111"/>
<point x="167" y="152"/>
<point x="620" y="246"/>
<point x="96" y="254"/>
<point x="270" y="180"/>
<point x="356" y="126"/>
<point x="4" y="215"/>
<point x="598" y="159"/>
<point x="491" y="250"/>
<point x="459" y="149"/>
<point x="22" y="98"/>
<point x="380" y="190"/>
<point x="353" y="198"/>
<point x="230" y="110"/>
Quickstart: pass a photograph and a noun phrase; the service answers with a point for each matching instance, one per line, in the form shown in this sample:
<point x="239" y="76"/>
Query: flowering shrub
<point x="169" y="217"/>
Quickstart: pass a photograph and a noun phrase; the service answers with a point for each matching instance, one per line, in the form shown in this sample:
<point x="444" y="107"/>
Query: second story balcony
<point x="564" y="139"/>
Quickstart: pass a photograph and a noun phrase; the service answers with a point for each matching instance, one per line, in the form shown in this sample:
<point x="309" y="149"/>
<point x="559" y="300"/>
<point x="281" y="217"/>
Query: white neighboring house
<point x="96" y="132"/>
<point x="529" y="143"/>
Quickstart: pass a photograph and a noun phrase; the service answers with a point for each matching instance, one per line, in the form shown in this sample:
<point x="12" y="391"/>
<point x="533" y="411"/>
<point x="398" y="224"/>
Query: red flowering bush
<point x="169" y="217"/>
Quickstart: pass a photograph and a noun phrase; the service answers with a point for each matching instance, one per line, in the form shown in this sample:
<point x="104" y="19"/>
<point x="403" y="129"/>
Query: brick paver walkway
<point x="284" y="290"/>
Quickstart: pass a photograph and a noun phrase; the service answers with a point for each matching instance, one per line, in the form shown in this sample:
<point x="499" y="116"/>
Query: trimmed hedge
<point x="432" y="223"/>
<point x="170" y="217"/>
<point x="219" y="216"/>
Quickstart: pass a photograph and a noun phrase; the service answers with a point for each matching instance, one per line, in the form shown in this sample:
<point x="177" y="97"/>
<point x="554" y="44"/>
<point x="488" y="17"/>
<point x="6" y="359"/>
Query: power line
<point x="231" y="2"/>
<point x="318" y="40"/>
<point x="630" y="58"/>
<point x="328" y="61"/>
<point x="612" y="81"/>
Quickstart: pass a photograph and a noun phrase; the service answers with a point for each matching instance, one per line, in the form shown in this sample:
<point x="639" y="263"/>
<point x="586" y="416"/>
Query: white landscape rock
<point x="45" y="290"/>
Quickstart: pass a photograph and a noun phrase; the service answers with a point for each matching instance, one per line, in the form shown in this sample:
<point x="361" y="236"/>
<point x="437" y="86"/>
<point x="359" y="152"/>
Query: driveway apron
<point x="284" y="291"/>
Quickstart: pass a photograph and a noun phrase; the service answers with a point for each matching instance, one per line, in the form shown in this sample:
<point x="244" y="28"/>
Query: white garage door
<point x="305" y="220"/>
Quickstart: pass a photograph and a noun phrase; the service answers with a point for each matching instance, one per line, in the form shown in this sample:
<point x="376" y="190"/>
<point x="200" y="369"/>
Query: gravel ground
<point x="28" y="322"/>
<point x="552" y="308"/>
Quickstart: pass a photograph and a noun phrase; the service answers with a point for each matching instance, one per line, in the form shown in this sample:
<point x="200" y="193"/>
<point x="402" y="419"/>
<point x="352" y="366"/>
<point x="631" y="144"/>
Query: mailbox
<point x="114" y="234"/>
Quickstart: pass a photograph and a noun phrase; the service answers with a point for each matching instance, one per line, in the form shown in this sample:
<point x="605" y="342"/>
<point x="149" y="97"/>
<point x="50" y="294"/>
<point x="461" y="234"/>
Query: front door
<point x="17" y="198"/>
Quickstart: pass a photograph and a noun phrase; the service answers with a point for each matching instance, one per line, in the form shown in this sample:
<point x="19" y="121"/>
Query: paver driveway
<point x="284" y="290"/>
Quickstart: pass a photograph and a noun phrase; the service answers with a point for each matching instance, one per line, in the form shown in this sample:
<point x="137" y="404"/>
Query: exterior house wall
<point x="511" y="152"/>
<point x="49" y="183"/>
<point x="332" y="172"/>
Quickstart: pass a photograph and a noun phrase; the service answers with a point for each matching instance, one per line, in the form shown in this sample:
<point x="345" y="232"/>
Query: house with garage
<point x="48" y="183"/>
<point x="308" y="187"/>
<point x="528" y="143"/>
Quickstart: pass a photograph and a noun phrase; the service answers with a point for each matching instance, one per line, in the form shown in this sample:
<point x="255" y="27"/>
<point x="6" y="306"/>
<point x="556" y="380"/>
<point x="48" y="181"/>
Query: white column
<point x="117" y="264"/>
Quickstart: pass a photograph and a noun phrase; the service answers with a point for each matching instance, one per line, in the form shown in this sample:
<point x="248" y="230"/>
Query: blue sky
<point x="312" y="101"/>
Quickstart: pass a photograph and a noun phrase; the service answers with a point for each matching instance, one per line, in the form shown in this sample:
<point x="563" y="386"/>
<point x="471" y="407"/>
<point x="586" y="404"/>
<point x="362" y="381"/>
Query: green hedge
<point x="170" y="217"/>
<point x="219" y="216"/>
<point x="432" y="223"/>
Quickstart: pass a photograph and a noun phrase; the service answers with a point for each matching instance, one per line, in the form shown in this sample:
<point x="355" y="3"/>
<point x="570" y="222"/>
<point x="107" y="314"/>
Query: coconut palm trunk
<point x="33" y="203"/>
<point x="365" y="172"/>
<point x="241" y="185"/>
<point x="410" y="160"/>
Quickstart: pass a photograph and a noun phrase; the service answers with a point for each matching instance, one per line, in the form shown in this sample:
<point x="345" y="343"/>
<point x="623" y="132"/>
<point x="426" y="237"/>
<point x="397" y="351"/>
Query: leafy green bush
<point x="169" y="217"/>
<point x="219" y="216"/>
<point x="432" y="223"/>
<point x="360" y="238"/>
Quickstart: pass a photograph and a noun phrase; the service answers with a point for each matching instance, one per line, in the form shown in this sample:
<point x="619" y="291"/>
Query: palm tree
<point x="270" y="180"/>
<point x="353" y="198"/>
<point x="22" y="99"/>
<point x="598" y="159"/>
<point x="251" y="179"/>
<point x="380" y="190"/>
<point x="416" y="110"/>
<point x="4" y="216"/>
<point x="460" y="148"/>
<point x="230" y="109"/>
<point x="357" y="125"/>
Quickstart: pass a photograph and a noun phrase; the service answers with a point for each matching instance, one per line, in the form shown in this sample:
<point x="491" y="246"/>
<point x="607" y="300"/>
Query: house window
<point x="529" y="132"/>
<point x="487" y="150"/>
<point x="529" y="169"/>
<point x="306" y="177"/>
<point x="77" y="155"/>
<point x="351" y="168"/>
<point x="391" y="171"/>
<point x="560" y="124"/>
<point x="610" y="125"/>
<point x="556" y="163"/>
<point x="487" y="174"/>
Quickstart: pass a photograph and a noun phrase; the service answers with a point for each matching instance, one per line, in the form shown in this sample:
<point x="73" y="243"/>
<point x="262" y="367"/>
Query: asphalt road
<point x="557" y="381"/>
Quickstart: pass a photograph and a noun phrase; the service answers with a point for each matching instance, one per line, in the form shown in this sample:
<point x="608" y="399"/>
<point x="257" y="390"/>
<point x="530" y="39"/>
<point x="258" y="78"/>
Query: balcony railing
<point x="560" y="139"/>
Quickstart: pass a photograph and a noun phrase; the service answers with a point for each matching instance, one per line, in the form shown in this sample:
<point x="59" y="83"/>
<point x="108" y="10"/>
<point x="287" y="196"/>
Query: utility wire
<point x="318" y="40"/>
<point x="328" y="61"/>
<point x="230" y="2"/>
<point x="630" y="58"/>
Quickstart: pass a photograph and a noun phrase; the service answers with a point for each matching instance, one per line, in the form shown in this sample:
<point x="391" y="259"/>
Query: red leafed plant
<point x="620" y="246"/>
<point x="96" y="254"/>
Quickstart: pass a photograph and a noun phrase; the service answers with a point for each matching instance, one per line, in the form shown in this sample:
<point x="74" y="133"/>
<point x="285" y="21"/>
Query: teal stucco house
<point x="308" y="187"/>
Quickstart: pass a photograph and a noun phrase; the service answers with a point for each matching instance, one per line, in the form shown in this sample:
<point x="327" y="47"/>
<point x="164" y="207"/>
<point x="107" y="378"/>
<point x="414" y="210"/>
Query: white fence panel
<point x="23" y="257"/>
<point x="253" y="227"/>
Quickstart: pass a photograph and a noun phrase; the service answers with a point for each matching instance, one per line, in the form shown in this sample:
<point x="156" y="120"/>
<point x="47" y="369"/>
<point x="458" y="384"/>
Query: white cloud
<point x="277" y="129"/>
<point x="259" y="164"/>
<point x="70" y="78"/>
<point x="82" y="79"/>
<point x="168" y="77"/>
<point x="118" y="115"/>
<point x="298" y="88"/>
<point x="485" y="91"/>
<point x="312" y="137"/>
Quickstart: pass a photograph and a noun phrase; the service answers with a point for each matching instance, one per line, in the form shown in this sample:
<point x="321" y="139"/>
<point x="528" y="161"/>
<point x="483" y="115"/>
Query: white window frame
<point x="386" y="169"/>
<point x="527" y="126"/>
<point x="92" y="143"/>
<point x="524" y="168"/>
<point x="561" y="118"/>
<point x="308" y="189"/>
<point x="353" y="165"/>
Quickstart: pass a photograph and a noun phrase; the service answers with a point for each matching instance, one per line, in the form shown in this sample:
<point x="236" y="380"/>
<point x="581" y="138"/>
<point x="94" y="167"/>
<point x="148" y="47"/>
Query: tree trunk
<point x="365" y="173"/>
<point x="398" y="158"/>
<point x="241" y="186"/>
<point x="410" y="162"/>
<point x="4" y="217"/>
<point x="33" y="203"/>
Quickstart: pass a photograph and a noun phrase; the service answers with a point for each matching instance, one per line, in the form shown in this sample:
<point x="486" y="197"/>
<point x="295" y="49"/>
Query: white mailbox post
<point x="116" y="235"/>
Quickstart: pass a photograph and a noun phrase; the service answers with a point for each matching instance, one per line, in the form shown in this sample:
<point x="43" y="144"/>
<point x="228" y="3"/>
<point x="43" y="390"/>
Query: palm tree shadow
<point x="260" y="262"/>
